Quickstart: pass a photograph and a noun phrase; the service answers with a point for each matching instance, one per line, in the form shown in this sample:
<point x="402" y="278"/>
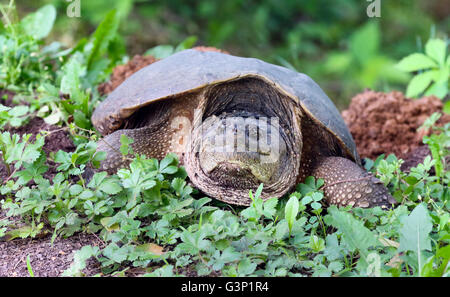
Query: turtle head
<point x="242" y="143"/>
<point x="241" y="147"/>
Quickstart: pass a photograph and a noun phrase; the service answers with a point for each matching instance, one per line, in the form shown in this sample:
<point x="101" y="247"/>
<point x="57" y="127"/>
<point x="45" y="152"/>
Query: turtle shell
<point x="190" y="70"/>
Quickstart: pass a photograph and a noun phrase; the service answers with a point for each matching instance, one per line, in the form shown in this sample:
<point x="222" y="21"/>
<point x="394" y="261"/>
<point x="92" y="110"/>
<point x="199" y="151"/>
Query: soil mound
<point x="122" y="72"/>
<point x="385" y="123"/>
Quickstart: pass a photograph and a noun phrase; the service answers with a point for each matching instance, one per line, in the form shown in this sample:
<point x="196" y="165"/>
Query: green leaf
<point x="306" y="200"/>
<point x="79" y="260"/>
<point x="270" y="207"/>
<point x="436" y="48"/>
<point x="19" y="110"/>
<point x="355" y="234"/>
<point x="186" y="44"/>
<point x="104" y="34"/>
<point x="125" y="142"/>
<point x="364" y="42"/>
<point x="70" y="81"/>
<point x="75" y="189"/>
<point x="291" y="211"/>
<point x="110" y="186"/>
<point x="4" y="108"/>
<point x="246" y="267"/>
<point x="40" y="23"/>
<point x="165" y="164"/>
<point x="416" y="62"/>
<point x="258" y="191"/>
<point x="446" y="108"/>
<point x="415" y="230"/>
<point x="439" y="90"/>
<point x="160" y="51"/>
<point x="165" y="271"/>
<point x="414" y="233"/>
<point x="81" y="120"/>
<point x="419" y="83"/>
<point x="29" y="268"/>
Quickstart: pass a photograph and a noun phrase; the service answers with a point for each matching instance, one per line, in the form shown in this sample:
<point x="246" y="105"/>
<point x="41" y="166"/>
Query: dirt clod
<point x="387" y="123"/>
<point x="122" y="72"/>
<point x="210" y="49"/>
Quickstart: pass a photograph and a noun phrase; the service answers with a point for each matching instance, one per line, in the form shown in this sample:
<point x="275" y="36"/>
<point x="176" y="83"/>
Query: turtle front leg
<point x="348" y="184"/>
<point x="154" y="143"/>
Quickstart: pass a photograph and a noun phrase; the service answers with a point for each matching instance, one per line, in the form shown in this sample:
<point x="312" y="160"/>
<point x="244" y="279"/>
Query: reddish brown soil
<point x="210" y="49"/>
<point x="385" y="123"/>
<point x="122" y="72"/>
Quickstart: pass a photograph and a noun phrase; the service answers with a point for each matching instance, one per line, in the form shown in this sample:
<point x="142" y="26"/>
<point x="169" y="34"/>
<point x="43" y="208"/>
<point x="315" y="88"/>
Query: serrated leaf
<point x="246" y="267"/>
<point x="170" y="170"/>
<point x="416" y="62"/>
<point x="75" y="189"/>
<point x="269" y="209"/>
<point x="103" y="35"/>
<point x="335" y="266"/>
<point x="419" y="83"/>
<point x="86" y="194"/>
<point x="436" y="48"/>
<point x="355" y="234"/>
<point x="19" y="110"/>
<point x="4" y="108"/>
<point x="110" y="186"/>
<point x="106" y="223"/>
<point x="79" y="260"/>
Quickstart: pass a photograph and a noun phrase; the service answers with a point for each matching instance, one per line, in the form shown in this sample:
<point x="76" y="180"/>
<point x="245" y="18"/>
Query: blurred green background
<point x="333" y="41"/>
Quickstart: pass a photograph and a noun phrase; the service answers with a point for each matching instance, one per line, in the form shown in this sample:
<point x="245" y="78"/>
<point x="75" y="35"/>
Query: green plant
<point x="432" y="70"/>
<point x="29" y="268"/>
<point x="363" y="62"/>
<point x="15" y="116"/>
<point x="23" y="65"/>
<point x="88" y="64"/>
<point x="165" y="50"/>
<point x="17" y="151"/>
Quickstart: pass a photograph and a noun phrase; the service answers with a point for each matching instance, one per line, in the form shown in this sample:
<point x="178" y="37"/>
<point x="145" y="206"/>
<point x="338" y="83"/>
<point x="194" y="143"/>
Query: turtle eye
<point x="114" y="122"/>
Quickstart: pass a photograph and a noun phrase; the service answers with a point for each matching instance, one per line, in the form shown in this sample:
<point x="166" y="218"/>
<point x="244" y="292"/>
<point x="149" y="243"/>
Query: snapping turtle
<point x="236" y="123"/>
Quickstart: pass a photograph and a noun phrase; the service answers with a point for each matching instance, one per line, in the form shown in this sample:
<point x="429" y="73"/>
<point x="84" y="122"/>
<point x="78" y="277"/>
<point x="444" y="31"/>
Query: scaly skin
<point x="348" y="184"/>
<point x="345" y="182"/>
